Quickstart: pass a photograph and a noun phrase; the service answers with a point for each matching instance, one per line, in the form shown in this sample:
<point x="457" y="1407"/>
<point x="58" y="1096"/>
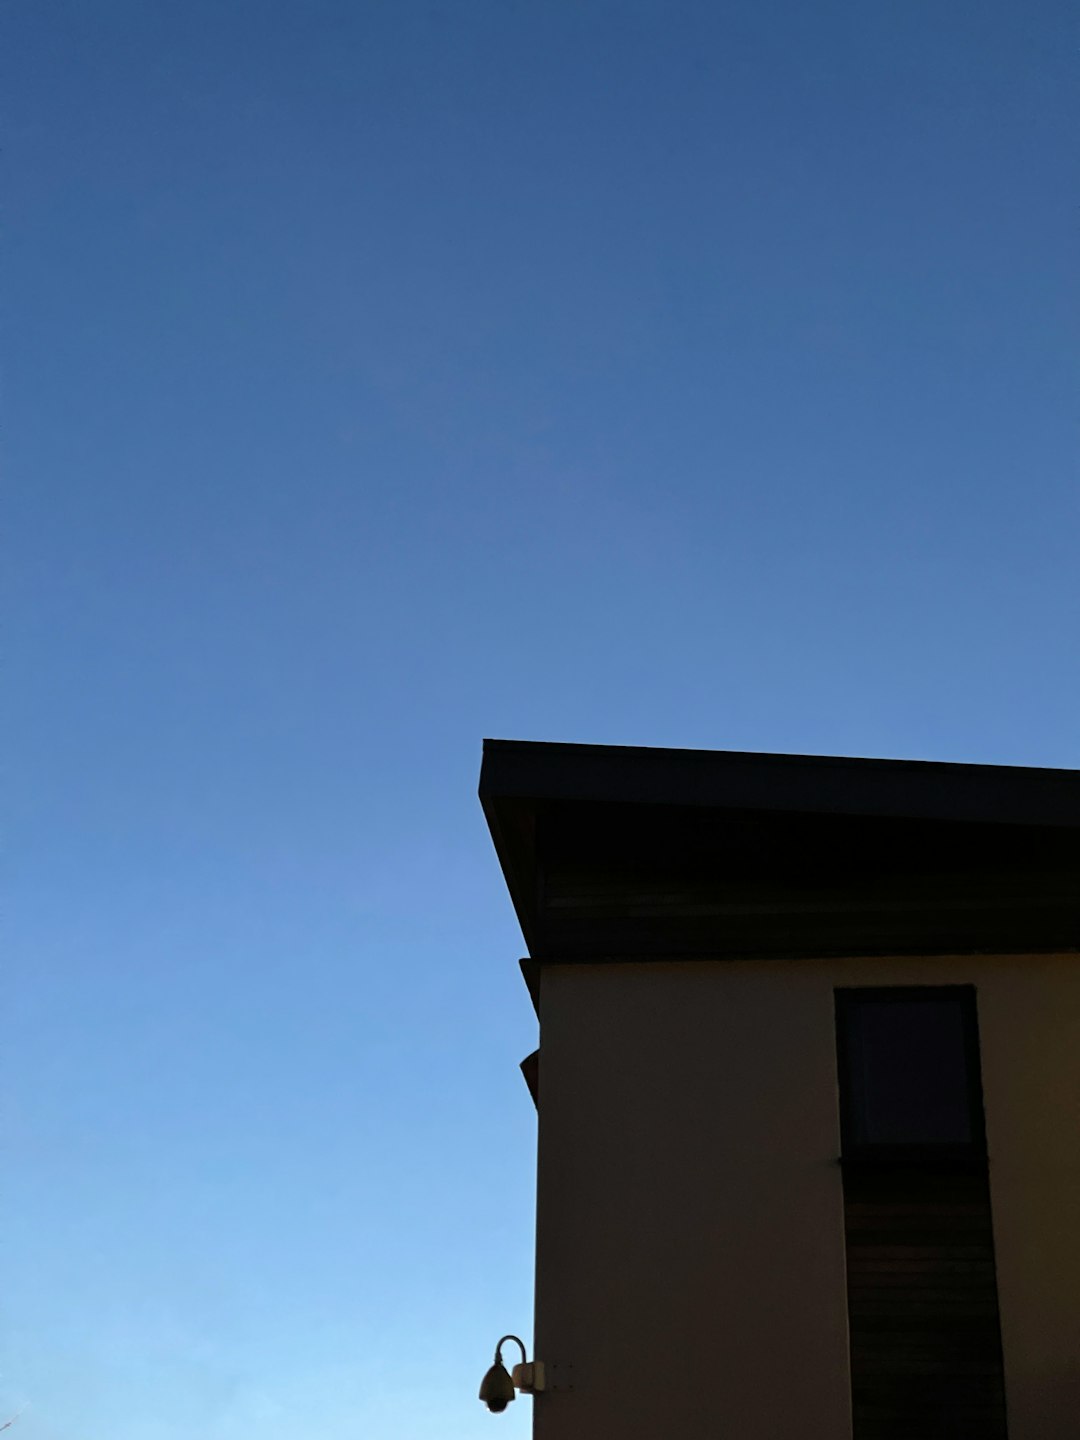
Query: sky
<point x="383" y="375"/>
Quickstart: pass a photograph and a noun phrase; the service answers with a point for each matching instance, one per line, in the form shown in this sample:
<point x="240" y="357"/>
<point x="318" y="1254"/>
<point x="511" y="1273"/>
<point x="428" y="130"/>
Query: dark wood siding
<point x="922" y="1300"/>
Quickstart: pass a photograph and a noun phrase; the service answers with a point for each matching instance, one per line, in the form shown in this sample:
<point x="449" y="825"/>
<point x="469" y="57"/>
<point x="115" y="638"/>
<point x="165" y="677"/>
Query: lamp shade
<point x="496" y="1388"/>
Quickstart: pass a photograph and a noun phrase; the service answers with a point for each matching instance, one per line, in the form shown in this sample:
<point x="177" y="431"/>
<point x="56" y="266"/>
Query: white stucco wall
<point x="690" y="1249"/>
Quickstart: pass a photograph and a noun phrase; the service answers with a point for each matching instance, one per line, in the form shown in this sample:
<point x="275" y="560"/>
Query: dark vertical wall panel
<point x="925" y="1334"/>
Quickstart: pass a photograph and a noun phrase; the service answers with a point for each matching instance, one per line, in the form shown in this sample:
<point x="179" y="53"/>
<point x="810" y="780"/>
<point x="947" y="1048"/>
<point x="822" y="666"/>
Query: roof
<point x="627" y="852"/>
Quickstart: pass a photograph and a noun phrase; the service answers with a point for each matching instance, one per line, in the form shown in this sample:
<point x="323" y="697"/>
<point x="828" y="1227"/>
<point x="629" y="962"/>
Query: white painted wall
<point x="690" y="1249"/>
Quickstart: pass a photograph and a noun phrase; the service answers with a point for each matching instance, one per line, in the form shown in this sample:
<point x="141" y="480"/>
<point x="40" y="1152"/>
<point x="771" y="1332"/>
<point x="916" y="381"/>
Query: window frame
<point x="937" y="1155"/>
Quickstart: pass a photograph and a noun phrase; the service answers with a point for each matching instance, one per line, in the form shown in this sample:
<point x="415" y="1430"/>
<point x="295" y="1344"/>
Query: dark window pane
<point x="907" y="1070"/>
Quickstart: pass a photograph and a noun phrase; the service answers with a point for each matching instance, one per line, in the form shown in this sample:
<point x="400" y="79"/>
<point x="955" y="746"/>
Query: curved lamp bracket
<point x="497" y="1387"/>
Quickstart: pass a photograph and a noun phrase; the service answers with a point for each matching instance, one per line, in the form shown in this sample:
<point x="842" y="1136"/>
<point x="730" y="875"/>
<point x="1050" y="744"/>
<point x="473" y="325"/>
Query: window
<point x="909" y="1070"/>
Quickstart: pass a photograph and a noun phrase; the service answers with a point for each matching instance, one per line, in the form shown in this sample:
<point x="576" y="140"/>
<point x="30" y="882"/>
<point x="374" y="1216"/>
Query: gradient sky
<point x="380" y="376"/>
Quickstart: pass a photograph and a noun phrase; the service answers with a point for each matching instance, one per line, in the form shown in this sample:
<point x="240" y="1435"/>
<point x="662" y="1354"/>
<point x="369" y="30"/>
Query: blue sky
<point x="380" y="376"/>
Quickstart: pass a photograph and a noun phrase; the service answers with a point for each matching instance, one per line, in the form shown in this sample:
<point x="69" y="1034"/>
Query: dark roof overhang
<point x="613" y="852"/>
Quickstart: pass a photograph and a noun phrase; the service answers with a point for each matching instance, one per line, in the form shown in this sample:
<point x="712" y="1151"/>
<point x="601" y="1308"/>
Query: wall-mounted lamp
<point x="497" y="1388"/>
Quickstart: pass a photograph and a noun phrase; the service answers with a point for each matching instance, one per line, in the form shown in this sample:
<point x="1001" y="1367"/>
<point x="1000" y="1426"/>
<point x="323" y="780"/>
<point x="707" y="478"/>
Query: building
<point x="808" y="1088"/>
